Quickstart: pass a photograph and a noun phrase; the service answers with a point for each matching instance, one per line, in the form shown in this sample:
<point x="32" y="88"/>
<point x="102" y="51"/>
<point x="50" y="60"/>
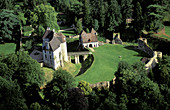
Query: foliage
<point x="137" y="88"/>
<point x="79" y="26"/>
<point x="77" y="99"/>
<point x="87" y="18"/>
<point x="96" y="24"/>
<point x="138" y="19"/>
<point x="155" y="14"/>
<point x="8" y="20"/>
<point x="7" y="4"/>
<point x="26" y="70"/>
<point x="35" y="106"/>
<point x="57" y="90"/>
<point x="44" y="16"/>
<point x="85" y="87"/>
<point x="11" y="95"/>
<point x="114" y="16"/>
<point x="28" y="44"/>
<point x="87" y="30"/>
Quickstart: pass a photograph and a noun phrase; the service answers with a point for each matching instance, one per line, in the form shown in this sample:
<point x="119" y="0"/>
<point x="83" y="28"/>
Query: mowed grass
<point x="73" y="69"/>
<point x="69" y="33"/>
<point x="106" y="59"/>
<point x="7" y="48"/>
<point x="48" y="73"/>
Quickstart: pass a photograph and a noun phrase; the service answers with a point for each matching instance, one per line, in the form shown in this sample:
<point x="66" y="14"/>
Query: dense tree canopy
<point x="8" y="21"/>
<point x="42" y="17"/>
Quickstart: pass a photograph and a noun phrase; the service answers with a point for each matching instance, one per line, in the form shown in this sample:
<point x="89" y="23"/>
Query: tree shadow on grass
<point x="86" y="65"/>
<point x="140" y="52"/>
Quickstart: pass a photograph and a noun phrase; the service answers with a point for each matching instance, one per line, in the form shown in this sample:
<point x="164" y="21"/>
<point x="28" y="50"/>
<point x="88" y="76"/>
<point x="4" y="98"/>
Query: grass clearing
<point x="7" y="48"/>
<point x="73" y="69"/>
<point x="106" y="59"/>
<point x="69" y="33"/>
<point x="48" y="73"/>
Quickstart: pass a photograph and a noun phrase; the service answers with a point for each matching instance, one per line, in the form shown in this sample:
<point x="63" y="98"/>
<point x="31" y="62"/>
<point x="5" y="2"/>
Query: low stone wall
<point x="74" y="37"/>
<point x="153" y="61"/>
<point x="142" y="45"/>
<point x="104" y="84"/>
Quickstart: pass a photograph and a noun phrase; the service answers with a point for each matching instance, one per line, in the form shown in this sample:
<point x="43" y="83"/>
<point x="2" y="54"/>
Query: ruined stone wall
<point x="104" y="84"/>
<point x="142" y="45"/>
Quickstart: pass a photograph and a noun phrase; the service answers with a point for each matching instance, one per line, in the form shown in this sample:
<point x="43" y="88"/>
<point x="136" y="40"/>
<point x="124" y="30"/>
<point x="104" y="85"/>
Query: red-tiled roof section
<point x="89" y="37"/>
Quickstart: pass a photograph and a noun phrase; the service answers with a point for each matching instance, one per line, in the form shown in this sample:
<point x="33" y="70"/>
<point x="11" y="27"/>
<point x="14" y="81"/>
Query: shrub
<point x="83" y="85"/>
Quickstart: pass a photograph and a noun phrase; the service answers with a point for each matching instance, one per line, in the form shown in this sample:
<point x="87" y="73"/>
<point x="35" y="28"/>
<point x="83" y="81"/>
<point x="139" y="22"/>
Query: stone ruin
<point x="142" y="45"/>
<point x="116" y="39"/>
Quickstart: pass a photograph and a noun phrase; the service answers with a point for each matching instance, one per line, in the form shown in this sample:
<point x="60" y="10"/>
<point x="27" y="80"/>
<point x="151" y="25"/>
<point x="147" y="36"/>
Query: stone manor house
<point x="54" y="49"/>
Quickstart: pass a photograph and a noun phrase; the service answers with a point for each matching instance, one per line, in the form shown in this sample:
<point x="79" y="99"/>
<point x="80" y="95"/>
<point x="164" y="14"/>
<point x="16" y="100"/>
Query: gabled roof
<point x="89" y="37"/>
<point x="93" y="31"/>
<point x="55" y="39"/>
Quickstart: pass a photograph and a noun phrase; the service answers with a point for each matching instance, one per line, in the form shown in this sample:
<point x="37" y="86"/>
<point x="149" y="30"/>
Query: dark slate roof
<point x="55" y="39"/>
<point x="89" y="37"/>
<point x="48" y="34"/>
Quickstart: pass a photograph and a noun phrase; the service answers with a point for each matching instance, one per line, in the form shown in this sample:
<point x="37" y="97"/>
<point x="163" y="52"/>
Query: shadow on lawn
<point x="140" y="52"/>
<point x="86" y="65"/>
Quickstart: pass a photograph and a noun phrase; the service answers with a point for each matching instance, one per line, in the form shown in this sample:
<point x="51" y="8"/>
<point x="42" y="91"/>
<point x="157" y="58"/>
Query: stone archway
<point x="90" y="45"/>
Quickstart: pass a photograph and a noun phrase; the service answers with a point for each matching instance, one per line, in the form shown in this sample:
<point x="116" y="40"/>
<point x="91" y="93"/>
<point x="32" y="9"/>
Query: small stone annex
<point x="54" y="49"/>
<point x="88" y="39"/>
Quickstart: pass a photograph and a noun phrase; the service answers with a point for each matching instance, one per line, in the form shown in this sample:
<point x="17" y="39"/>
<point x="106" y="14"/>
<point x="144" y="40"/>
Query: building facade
<point x="88" y="39"/>
<point x="54" y="49"/>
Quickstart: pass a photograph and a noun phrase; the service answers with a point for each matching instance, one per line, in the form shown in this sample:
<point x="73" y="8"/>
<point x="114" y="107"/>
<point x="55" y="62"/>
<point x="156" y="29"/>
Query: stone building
<point x="88" y="39"/>
<point x="54" y="49"/>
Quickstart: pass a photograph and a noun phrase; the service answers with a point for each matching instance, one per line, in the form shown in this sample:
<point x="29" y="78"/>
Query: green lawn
<point x="69" y="33"/>
<point x="106" y="59"/>
<point x="7" y="48"/>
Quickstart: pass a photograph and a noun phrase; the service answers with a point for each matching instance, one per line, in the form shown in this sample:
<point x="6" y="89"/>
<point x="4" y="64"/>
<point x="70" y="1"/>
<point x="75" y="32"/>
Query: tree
<point x="138" y="19"/>
<point x="24" y="69"/>
<point x="96" y="24"/>
<point x="103" y="10"/>
<point x="155" y="17"/>
<point x="114" y="16"/>
<point x="11" y="95"/>
<point x="8" y="20"/>
<point x="83" y="85"/>
<point x="77" y="99"/>
<point x="35" y="106"/>
<point x="7" y="4"/>
<point x="87" y="17"/>
<point x="126" y="11"/>
<point x="42" y="17"/>
<point x="29" y="71"/>
<point x="79" y="26"/>
<point x="135" y="88"/>
<point x="57" y="90"/>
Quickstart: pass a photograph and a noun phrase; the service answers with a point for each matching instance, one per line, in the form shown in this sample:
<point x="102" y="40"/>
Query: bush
<point x="28" y="44"/>
<point x="83" y="85"/>
<point x="27" y="28"/>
